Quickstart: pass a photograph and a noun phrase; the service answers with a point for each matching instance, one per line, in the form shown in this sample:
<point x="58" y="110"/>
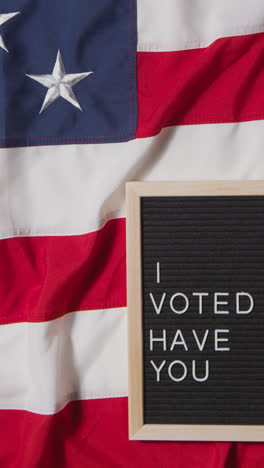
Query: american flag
<point x="94" y="94"/>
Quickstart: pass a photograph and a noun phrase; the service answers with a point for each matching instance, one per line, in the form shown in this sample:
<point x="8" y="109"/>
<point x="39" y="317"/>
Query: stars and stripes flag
<point x="94" y="94"/>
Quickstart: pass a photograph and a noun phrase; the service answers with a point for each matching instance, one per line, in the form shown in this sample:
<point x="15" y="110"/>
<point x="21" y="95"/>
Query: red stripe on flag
<point x="43" y="278"/>
<point x="220" y="83"/>
<point x="94" y="433"/>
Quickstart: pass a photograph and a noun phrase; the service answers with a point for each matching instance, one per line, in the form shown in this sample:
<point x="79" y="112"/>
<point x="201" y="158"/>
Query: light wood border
<point x="137" y="429"/>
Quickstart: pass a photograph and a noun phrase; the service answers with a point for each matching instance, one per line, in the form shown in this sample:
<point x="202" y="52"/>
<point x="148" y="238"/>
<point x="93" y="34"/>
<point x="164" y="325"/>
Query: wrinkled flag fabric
<point x="94" y="94"/>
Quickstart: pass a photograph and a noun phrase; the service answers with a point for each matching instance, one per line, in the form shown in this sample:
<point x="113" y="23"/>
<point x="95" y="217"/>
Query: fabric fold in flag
<point x="200" y="86"/>
<point x="68" y="190"/>
<point x="179" y="25"/>
<point x="43" y="278"/>
<point x="79" y="356"/>
<point x="97" y="431"/>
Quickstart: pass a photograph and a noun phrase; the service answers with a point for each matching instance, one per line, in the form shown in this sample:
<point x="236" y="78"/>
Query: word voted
<point x="179" y="303"/>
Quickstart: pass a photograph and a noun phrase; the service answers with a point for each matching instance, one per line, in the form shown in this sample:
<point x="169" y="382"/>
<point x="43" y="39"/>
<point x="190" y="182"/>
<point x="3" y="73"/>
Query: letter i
<point x="158" y="272"/>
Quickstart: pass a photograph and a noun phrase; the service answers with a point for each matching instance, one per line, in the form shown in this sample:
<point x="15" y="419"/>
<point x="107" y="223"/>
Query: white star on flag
<point x="4" y="17"/>
<point x="59" y="84"/>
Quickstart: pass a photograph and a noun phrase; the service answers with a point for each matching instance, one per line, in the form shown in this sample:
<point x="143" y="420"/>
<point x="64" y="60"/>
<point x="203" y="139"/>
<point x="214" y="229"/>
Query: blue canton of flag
<point x="68" y="71"/>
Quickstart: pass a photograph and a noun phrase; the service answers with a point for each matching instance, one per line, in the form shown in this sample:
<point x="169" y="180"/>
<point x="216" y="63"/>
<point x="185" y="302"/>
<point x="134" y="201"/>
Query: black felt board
<point x="204" y="244"/>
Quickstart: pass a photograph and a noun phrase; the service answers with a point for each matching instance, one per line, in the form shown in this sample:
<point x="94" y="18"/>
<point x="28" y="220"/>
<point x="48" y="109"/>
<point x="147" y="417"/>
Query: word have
<point x="179" y="302"/>
<point x="179" y="340"/>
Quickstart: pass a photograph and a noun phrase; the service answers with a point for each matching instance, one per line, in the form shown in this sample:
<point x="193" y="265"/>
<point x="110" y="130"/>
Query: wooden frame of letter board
<point x="137" y="429"/>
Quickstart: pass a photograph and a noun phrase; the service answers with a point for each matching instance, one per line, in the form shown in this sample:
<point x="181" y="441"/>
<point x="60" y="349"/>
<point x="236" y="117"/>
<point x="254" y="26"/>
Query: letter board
<point x="195" y="272"/>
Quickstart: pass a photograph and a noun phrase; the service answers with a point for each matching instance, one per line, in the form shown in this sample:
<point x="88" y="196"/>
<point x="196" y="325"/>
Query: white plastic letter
<point x="157" y="308"/>
<point x="181" y="342"/>
<point x="162" y="340"/>
<point x="200" y="295"/>
<point x="200" y="379"/>
<point x="217" y="302"/>
<point x="186" y="303"/>
<point x="177" y="379"/>
<point x="158" y="369"/>
<point x="158" y="272"/>
<point x="238" y="295"/>
<point x="217" y="339"/>
<point x="200" y="345"/>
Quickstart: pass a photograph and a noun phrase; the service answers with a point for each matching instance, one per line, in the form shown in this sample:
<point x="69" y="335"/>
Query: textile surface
<point x="92" y="95"/>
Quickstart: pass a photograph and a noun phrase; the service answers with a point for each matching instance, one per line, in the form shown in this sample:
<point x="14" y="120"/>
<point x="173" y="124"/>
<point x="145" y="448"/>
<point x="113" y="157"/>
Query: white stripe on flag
<point x="79" y="356"/>
<point x="67" y="190"/>
<point x="169" y="25"/>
